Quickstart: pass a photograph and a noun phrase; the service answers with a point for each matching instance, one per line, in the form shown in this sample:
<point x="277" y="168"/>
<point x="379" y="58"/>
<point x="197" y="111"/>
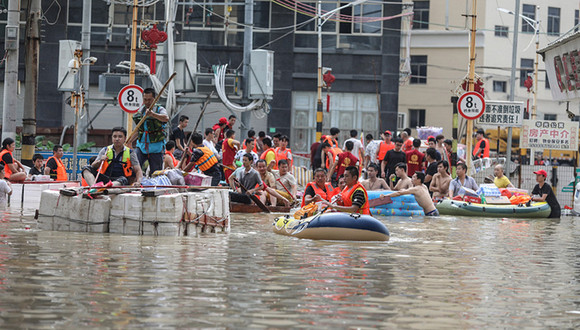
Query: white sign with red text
<point x="549" y="134"/>
<point x="562" y="62"/>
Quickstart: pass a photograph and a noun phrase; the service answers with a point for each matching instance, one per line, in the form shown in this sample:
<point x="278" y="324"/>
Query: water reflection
<point x="433" y="273"/>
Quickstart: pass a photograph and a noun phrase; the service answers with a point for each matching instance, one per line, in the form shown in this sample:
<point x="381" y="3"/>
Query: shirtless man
<point x="374" y="183"/>
<point x="268" y="181"/>
<point x="419" y="190"/>
<point x="441" y="180"/>
<point x="404" y="180"/>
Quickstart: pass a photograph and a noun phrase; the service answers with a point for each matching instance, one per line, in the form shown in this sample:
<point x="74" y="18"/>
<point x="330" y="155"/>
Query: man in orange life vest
<point x="115" y="163"/>
<point x="481" y="149"/>
<point x="384" y="146"/>
<point x="332" y="138"/>
<point x="202" y="158"/>
<point x="269" y="154"/>
<point x="169" y="160"/>
<point x="54" y="166"/>
<point x="283" y="152"/>
<point x="353" y="198"/>
<point x="318" y="189"/>
<point x="342" y="161"/>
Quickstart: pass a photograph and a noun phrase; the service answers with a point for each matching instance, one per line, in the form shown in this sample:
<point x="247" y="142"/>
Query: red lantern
<point x="528" y="83"/>
<point x="153" y="36"/>
<point x="328" y="78"/>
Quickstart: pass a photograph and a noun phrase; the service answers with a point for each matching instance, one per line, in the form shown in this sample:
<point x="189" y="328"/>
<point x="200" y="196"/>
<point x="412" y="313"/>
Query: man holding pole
<point x="151" y="141"/>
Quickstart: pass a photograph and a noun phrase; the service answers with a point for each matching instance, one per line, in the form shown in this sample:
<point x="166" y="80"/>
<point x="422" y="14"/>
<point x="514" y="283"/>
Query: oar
<point x="254" y="198"/>
<point x="131" y="136"/>
<point x="302" y="225"/>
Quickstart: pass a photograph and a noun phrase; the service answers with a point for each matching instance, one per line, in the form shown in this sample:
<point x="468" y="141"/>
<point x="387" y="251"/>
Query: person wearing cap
<point x="542" y="192"/>
<point x="384" y="147"/>
<point x="219" y="130"/>
<point x="481" y="149"/>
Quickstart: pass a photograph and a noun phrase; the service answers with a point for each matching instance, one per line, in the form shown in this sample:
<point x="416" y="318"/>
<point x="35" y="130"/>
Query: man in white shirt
<point x="286" y="184"/>
<point x="208" y="142"/>
<point x="371" y="151"/>
<point x="248" y="150"/>
<point x="358" y="148"/>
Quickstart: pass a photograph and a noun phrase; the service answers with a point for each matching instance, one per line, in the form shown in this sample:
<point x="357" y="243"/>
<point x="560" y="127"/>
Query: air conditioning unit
<point x="111" y="84"/>
<point x="205" y="83"/>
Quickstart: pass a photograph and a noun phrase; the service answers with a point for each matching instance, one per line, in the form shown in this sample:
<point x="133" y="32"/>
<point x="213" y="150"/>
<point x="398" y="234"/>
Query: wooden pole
<point x="471" y="81"/>
<point x="133" y="58"/>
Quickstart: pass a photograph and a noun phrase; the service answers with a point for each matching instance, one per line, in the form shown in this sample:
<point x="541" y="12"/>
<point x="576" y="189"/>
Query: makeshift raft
<point x="164" y="212"/>
<point x="535" y="210"/>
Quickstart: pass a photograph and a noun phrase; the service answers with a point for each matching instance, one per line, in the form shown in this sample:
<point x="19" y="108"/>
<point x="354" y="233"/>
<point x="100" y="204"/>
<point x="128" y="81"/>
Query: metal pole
<point x="31" y="84"/>
<point x="11" y="43"/>
<point x="85" y="69"/>
<point x="471" y="79"/>
<point x="133" y="58"/>
<point x="76" y="99"/>
<point x="513" y="82"/>
<point x="319" y="80"/>
<point x="248" y="45"/>
<point x="537" y="30"/>
<point x="455" y="134"/>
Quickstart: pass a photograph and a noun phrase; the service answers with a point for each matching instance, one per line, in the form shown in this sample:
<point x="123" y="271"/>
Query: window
<point x="530" y="12"/>
<point x="421" y="15"/>
<point x="547" y="82"/>
<point x="499" y="86"/>
<point x="418" y="69"/>
<point x="526" y="68"/>
<point x="553" y="21"/>
<point x="576" y="15"/>
<point x="576" y="118"/>
<point x="417" y="117"/>
<point x="401" y="120"/>
<point x="549" y="116"/>
<point x="501" y="31"/>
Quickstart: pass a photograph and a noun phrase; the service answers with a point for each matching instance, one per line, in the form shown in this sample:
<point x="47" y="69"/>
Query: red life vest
<point x="228" y="153"/>
<point x="60" y="170"/>
<point x="326" y="195"/>
<point x="347" y="198"/>
<point x="283" y="155"/>
<point x="175" y="161"/>
<point x="383" y="148"/>
<point x="7" y="171"/>
<point x="221" y="135"/>
<point x="334" y="152"/>
<point x="345" y="159"/>
<point x="477" y="153"/>
<point x="408" y="145"/>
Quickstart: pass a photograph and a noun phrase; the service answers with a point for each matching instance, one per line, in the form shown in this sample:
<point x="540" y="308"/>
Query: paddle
<point x="252" y="197"/>
<point x="131" y="136"/>
<point x="380" y="201"/>
<point x="203" y="107"/>
<point x="303" y="224"/>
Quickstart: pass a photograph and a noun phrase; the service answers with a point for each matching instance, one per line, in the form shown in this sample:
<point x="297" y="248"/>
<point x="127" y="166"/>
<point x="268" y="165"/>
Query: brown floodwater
<point x="433" y="273"/>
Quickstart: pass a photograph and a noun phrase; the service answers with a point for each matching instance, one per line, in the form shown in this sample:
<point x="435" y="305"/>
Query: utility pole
<point x="85" y="69"/>
<point x="513" y="82"/>
<point x="11" y="43"/>
<point x="31" y="83"/>
<point x="471" y="80"/>
<point x="133" y="58"/>
<point x="248" y="45"/>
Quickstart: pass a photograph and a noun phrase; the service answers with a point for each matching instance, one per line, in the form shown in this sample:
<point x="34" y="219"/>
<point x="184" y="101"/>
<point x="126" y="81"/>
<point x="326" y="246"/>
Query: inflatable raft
<point x="451" y="207"/>
<point x="333" y="226"/>
<point x="405" y="206"/>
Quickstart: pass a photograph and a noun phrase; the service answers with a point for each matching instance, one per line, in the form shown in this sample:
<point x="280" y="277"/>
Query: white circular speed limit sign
<point x="131" y="98"/>
<point x="471" y="105"/>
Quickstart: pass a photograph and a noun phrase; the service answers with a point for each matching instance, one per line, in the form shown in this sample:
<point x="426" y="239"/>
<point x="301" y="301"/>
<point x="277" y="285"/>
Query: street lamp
<point x="77" y="99"/>
<point x="321" y="19"/>
<point x="536" y="26"/>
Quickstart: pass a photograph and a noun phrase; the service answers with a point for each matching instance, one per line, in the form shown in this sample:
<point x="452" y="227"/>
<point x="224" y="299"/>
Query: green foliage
<point x="86" y="146"/>
<point x="45" y="145"/>
<point x="66" y="147"/>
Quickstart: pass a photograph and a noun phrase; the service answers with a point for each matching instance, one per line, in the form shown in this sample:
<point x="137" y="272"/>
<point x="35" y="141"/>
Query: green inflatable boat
<point x="451" y="207"/>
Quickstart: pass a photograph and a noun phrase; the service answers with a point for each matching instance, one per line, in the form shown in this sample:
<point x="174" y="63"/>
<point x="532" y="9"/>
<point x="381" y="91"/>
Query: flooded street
<point x="433" y="273"/>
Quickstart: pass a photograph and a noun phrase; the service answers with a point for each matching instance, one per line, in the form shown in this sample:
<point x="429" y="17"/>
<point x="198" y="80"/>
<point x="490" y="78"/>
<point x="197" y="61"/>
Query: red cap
<point x="430" y="137"/>
<point x="323" y="137"/>
<point x="388" y="132"/>
<point x="542" y="172"/>
<point x="223" y="120"/>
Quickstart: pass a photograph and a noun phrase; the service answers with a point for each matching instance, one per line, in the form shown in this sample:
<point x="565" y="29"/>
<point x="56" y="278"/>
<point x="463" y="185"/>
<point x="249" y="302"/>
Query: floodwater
<point x="433" y="273"/>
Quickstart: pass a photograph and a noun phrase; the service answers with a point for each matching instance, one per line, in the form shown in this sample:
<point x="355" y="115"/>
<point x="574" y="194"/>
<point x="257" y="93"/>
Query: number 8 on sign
<point x="471" y="105"/>
<point x="131" y="98"/>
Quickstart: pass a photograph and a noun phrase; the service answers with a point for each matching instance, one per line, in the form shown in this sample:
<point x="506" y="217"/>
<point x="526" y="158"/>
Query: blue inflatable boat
<point x="405" y="206"/>
<point x="333" y="226"/>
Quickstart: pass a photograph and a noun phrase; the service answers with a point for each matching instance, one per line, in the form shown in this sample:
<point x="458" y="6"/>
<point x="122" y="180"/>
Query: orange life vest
<point x="325" y="195"/>
<point x="206" y="161"/>
<point x="476" y="151"/>
<point x="265" y="153"/>
<point x="347" y="193"/>
<point x="60" y="170"/>
<point x="125" y="161"/>
<point x="7" y="171"/>
<point x="333" y="143"/>
<point x="283" y="155"/>
<point x="255" y="145"/>
<point x="383" y="148"/>
<point x="334" y="152"/>
<point x="175" y="161"/>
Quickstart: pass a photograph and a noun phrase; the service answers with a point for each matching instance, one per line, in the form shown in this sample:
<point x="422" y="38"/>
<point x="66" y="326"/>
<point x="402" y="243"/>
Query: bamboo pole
<point x="471" y="82"/>
<point x="133" y="58"/>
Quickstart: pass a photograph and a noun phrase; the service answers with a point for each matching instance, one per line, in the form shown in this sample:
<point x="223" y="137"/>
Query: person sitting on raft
<point x="441" y="181"/>
<point x="54" y="166"/>
<point x="500" y="180"/>
<point x="353" y="198"/>
<point x="269" y="181"/>
<point x="461" y="181"/>
<point x="169" y="161"/>
<point x="13" y="169"/>
<point x="249" y="178"/>
<point x="421" y="193"/>
<point x="318" y="189"/>
<point x="542" y="192"/>
<point x="202" y="158"/>
<point x="116" y="164"/>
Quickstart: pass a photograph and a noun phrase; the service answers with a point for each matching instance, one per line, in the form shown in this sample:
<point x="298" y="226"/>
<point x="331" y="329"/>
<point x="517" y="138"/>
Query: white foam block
<point x="48" y="201"/>
<point x="170" y="208"/>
